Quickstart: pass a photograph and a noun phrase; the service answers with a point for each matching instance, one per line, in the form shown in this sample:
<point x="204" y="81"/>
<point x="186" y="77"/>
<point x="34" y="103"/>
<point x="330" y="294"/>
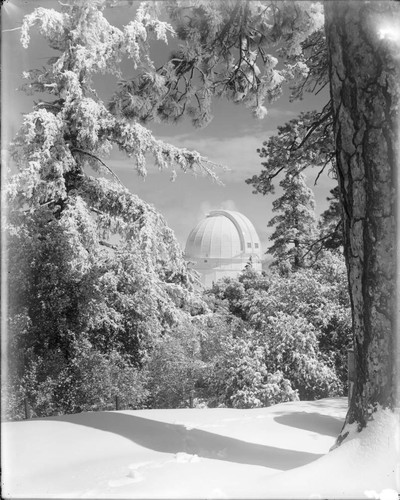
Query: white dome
<point x="223" y="234"/>
<point x="222" y="244"/>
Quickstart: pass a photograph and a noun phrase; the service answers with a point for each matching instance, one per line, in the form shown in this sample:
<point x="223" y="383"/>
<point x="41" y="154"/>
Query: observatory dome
<point x="222" y="244"/>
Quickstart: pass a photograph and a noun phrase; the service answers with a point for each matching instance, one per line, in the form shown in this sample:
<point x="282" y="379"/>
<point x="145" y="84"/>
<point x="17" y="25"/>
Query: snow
<point x="275" y="452"/>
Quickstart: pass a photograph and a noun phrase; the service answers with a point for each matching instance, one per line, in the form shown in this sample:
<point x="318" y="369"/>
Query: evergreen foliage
<point x="96" y="276"/>
<point x="67" y="290"/>
<point x="303" y="142"/>
<point x="330" y="224"/>
<point x="227" y="48"/>
<point x="101" y="303"/>
<point x="175" y="368"/>
<point x="295" y="225"/>
<point x="290" y="331"/>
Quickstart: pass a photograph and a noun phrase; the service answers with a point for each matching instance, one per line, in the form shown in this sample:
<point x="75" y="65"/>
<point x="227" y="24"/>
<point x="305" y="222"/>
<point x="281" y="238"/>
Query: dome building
<point x="221" y="245"/>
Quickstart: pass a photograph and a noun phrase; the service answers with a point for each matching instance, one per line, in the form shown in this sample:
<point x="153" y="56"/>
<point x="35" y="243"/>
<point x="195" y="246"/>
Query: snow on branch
<point x="138" y="223"/>
<point x="138" y="141"/>
<point x="50" y="23"/>
<point x="78" y="120"/>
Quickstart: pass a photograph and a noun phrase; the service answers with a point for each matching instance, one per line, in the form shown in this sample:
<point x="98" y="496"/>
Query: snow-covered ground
<point x="276" y="452"/>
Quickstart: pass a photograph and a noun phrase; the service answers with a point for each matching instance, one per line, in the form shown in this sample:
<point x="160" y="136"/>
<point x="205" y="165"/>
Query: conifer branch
<point x="276" y="173"/>
<point x="315" y="125"/>
<point x="323" y="238"/>
<point x="82" y="151"/>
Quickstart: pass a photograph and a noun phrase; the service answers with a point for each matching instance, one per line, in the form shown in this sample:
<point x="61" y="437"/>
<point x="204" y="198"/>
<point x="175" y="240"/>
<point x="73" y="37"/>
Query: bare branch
<point x="322" y="169"/>
<point x="11" y="29"/>
<point x="40" y="206"/>
<point x="321" y="88"/>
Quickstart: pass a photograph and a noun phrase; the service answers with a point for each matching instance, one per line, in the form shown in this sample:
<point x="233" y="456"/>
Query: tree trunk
<point x="364" y="85"/>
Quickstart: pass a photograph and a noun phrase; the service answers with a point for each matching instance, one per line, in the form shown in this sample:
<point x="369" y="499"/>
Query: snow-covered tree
<point x="66" y="288"/>
<point x="295" y="224"/>
<point x="241" y="378"/>
<point x="175" y="367"/>
<point x="73" y="129"/>
<point x="295" y="326"/>
<point x="301" y="143"/>
<point x="96" y="276"/>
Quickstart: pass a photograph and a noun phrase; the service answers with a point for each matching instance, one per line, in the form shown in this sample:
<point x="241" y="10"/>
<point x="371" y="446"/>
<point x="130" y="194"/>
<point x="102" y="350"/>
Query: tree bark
<point x="364" y="85"/>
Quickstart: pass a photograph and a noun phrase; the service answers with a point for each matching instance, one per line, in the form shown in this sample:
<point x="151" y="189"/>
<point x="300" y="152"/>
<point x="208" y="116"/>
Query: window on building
<point x="248" y="245"/>
<point x="256" y="245"/>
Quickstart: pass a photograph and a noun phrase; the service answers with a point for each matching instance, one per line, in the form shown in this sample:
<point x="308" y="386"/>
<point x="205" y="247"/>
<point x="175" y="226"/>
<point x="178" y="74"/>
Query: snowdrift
<point x="275" y="452"/>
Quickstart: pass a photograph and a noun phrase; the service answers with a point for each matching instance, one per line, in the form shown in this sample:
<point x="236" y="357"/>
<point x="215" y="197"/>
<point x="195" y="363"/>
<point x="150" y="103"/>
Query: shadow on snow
<point x="175" y="438"/>
<point x="314" y="422"/>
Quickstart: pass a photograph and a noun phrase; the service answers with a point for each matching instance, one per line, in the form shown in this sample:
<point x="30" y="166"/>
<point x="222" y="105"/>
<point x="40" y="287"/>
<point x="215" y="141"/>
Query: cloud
<point x="238" y="154"/>
<point x="207" y="206"/>
<point x="229" y="205"/>
<point x="280" y="112"/>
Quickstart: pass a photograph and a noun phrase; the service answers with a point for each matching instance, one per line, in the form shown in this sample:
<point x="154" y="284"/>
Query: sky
<point x="231" y="139"/>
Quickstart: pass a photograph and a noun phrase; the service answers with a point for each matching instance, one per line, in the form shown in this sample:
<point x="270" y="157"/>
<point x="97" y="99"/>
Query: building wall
<point x="211" y="270"/>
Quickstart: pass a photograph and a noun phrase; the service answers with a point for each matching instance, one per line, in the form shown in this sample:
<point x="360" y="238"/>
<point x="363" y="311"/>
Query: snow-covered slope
<point x="275" y="452"/>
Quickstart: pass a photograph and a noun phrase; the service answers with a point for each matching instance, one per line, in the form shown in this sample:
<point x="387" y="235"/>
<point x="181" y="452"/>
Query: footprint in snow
<point x="133" y="476"/>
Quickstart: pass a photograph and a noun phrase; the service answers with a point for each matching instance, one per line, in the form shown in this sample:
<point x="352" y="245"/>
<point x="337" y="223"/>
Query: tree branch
<point x="311" y="130"/>
<point x="108" y="245"/>
<point x="272" y="176"/>
<point x="322" y="239"/>
<point x="40" y="206"/>
<point x="82" y="151"/>
<point x="322" y="169"/>
<point x="96" y="211"/>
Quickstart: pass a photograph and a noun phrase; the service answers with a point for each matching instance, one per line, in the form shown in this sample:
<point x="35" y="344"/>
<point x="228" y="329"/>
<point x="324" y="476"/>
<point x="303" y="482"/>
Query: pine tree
<point x="302" y="143"/>
<point x="330" y="223"/>
<point x="295" y="226"/>
<point x="365" y="96"/>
